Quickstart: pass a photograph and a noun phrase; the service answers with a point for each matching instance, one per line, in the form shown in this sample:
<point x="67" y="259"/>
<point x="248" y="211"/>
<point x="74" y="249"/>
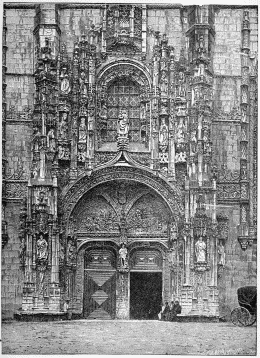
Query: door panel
<point x="100" y="294"/>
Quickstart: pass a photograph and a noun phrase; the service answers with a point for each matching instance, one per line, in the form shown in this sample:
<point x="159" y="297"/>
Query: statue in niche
<point x="200" y="250"/>
<point x="63" y="126"/>
<point x="193" y="142"/>
<point x="42" y="198"/>
<point x="83" y="85"/>
<point x="205" y="135"/>
<point x="221" y="254"/>
<point x="103" y="112"/>
<point x="123" y="123"/>
<point x="36" y="140"/>
<point x="82" y="130"/>
<point x="123" y="255"/>
<point x="51" y="142"/>
<point x="164" y="83"/>
<point x="181" y="85"/>
<point x="61" y="152"/>
<point x="201" y="45"/>
<point x="81" y="153"/>
<point x="173" y="234"/>
<point x="243" y="115"/>
<point x="163" y="135"/>
<point x="143" y="112"/>
<point x="71" y="251"/>
<point x="65" y="83"/>
<point x="67" y="153"/>
<point x="42" y="248"/>
<point x="180" y="137"/>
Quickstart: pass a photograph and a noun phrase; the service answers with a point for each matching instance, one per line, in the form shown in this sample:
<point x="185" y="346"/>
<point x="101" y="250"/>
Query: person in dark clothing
<point x="175" y="311"/>
<point x="166" y="312"/>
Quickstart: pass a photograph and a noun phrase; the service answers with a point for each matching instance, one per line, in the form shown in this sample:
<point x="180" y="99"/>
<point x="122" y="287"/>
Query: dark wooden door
<point x="99" y="285"/>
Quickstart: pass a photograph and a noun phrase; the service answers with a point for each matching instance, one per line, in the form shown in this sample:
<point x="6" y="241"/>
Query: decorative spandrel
<point x="121" y="210"/>
<point x="152" y="218"/>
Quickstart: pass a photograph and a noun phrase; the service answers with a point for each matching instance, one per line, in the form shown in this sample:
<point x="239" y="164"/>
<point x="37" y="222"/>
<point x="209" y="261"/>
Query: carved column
<point x="144" y="25"/>
<point x="171" y="165"/>
<point x="164" y="108"/>
<point x="155" y="105"/>
<point x="244" y="104"/>
<point x="4" y="159"/>
<point x="92" y="104"/>
<point x="200" y="185"/>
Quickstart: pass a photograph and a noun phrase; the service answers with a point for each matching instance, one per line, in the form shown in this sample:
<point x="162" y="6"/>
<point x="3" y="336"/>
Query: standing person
<point x="176" y="310"/>
<point x="165" y="312"/>
<point x="171" y="310"/>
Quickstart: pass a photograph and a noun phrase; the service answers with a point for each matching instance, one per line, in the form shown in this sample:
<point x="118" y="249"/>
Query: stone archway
<point x="170" y="194"/>
<point x="113" y="205"/>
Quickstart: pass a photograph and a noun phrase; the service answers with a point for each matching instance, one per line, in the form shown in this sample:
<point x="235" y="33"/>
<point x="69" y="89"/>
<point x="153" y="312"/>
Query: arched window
<point x="123" y="94"/>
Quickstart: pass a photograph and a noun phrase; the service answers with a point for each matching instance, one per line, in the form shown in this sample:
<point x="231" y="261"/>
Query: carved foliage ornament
<point x="172" y="196"/>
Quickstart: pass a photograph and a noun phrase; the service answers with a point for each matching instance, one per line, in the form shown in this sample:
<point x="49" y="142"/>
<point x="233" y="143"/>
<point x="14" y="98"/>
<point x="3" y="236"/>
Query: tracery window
<point x="123" y="94"/>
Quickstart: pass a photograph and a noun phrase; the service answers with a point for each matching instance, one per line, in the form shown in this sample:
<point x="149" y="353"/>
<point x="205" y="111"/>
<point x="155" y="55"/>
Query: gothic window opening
<point x="122" y="94"/>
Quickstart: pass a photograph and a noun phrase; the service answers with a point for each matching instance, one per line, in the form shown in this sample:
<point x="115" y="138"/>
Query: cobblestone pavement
<point x="127" y="337"/>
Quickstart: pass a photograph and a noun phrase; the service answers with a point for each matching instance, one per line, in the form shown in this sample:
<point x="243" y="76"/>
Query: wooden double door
<point x="99" y="285"/>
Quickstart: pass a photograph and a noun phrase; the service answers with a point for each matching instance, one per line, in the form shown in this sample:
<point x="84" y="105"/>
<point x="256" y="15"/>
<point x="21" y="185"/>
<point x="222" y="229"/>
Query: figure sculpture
<point x="221" y="253"/>
<point x="123" y="255"/>
<point x="163" y="134"/>
<point x="63" y="126"/>
<point x="42" y="248"/>
<point x="65" y="84"/>
<point x="51" y="143"/>
<point x="200" y="250"/>
<point x="123" y="123"/>
<point x="82" y="130"/>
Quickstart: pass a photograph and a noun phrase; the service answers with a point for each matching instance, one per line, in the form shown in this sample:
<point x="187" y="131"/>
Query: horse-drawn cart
<point x="245" y="314"/>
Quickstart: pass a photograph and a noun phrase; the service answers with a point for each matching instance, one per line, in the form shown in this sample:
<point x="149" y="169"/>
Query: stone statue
<point x="61" y="152"/>
<point x="82" y="131"/>
<point x="63" y="126"/>
<point x="163" y="134"/>
<point x="123" y="123"/>
<point x="142" y="112"/>
<point x="42" y="248"/>
<point x="221" y="254"/>
<point x="83" y="86"/>
<point x="200" y="250"/>
<point x="173" y="233"/>
<point x="65" y="85"/>
<point x="71" y="251"/>
<point x="123" y="255"/>
<point x="51" y="143"/>
<point x="164" y="84"/>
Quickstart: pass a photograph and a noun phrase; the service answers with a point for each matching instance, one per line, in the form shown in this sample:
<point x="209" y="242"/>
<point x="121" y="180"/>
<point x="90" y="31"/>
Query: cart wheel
<point x="252" y="320"/>
<point x="240" y="317"/>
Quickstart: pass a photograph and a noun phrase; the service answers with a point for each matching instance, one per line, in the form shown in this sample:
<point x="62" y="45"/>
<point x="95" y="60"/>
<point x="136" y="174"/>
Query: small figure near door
<point x="123" y="256"/>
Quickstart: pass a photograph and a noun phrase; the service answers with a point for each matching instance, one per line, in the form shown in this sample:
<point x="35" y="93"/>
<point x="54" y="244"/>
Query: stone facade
<point x="129" y="145"/>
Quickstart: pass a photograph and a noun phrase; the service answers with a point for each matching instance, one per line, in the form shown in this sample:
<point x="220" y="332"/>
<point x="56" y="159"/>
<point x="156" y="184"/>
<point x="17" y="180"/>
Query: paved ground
<point x="127" y="337"/>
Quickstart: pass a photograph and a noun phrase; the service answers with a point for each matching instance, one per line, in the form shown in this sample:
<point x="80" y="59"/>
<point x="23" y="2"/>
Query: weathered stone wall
<point x="12" y="276"/>
<point x="240" y="266"/>
<point x="226" y="144"/>
<point x="19" y="97"/>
